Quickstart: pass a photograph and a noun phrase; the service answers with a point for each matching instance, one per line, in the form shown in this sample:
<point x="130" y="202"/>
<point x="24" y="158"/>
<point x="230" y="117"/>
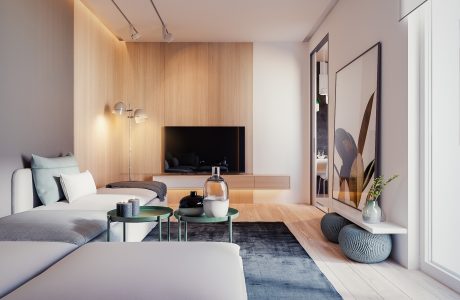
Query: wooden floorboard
<point x="386" y="280"/>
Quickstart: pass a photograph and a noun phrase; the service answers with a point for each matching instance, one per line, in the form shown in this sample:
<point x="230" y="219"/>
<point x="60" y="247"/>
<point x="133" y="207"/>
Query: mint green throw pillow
<point x="46" y="174"/>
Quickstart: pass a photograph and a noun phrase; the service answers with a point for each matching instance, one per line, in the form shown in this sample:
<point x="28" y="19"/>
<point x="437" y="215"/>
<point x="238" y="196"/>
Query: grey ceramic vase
<point x="372" y="213"/>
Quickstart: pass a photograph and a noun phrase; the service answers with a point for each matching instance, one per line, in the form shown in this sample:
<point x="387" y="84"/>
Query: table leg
<point x="159" y="228"/>
<point x="179" y="225"/>
<point x="185" y="231"/>
<point x="108" y="228"/>
<point x="169" y="229"/>
<point x="124" y="231"/>
<point x="230" y="230"/>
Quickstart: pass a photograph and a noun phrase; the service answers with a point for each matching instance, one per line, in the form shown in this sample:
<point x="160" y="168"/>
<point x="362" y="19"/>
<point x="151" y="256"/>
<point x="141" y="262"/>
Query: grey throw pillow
<point x="46" y="174"/>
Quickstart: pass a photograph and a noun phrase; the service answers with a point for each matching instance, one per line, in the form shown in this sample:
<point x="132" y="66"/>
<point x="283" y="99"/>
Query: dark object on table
<point x="191" y="205"/>
<point x="331" y="224"/>
<point x="124" y="209"/>
<point x="158" y="187"/>
<point x="136" y="206"/>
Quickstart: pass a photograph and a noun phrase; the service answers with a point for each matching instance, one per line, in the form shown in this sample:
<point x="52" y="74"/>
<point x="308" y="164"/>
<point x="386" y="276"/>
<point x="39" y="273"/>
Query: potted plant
<point x="371" y="211"/>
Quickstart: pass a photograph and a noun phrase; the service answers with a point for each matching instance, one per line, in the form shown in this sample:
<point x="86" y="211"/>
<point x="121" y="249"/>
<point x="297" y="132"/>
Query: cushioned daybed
<point x="22" y="261"/>
<point x="154" y="270"/>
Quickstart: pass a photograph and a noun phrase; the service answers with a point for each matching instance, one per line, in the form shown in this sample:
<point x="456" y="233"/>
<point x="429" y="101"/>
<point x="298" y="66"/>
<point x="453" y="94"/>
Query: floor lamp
<point x="139" y="115"/>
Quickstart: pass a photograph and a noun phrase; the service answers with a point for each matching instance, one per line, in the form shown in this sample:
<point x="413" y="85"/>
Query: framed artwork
<point x="357" y="128"/>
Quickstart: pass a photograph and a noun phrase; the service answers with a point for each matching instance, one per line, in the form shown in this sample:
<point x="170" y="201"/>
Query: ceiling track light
<point x="167" y="36"/>
<point x="133" y="31"/>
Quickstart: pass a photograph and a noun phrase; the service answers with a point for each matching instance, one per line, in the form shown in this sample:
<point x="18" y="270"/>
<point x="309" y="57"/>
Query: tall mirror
<point x="319" y="102"/>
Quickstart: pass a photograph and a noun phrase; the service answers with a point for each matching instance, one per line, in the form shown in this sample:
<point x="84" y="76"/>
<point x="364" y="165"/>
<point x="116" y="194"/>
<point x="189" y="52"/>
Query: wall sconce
<point x="139" y="115"/>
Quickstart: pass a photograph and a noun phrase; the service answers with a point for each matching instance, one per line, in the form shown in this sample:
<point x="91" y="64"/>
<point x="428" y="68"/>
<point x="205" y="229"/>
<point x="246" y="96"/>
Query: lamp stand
<point x="139" y="116"/>
<point x="130" y="117"/>
<point x="130" y="150"/>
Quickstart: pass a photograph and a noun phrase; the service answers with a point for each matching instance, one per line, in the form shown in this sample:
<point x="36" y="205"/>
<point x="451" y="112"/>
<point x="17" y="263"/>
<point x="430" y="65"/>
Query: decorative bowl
<point x="191" y="205"/>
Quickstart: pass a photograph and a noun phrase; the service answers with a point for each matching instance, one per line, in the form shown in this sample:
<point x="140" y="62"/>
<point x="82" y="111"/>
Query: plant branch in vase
<point x="372" y="213"/>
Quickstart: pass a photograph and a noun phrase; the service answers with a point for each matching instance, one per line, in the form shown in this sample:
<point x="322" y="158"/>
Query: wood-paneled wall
<point x="178" y="84"/>
<point x="98" y="83"/>
<point x="186" y="84"/>
<point x="144" y="88"/>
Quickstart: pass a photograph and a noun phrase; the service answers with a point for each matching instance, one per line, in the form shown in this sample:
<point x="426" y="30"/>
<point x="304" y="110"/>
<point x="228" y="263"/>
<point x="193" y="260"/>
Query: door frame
<point x="313" y="88"/>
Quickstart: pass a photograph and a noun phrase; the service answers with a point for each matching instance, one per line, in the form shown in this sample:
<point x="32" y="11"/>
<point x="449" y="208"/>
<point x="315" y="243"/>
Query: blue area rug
<point x="275" y="264"/>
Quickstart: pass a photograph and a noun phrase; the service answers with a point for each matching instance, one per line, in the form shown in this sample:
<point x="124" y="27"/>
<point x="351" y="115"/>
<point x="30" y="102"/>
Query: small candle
<point x="124" y="210"/>
<point x="136" y="206"/>
<point x="120" y="209"/>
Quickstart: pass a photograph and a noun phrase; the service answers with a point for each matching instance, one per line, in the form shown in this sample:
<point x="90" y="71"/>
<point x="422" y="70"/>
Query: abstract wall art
<point x="356" y="129"/>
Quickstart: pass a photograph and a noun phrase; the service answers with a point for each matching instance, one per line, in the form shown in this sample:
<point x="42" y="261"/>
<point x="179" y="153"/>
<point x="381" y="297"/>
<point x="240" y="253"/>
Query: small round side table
<point x="147" y="214"/>
<point x="233" y="213"/>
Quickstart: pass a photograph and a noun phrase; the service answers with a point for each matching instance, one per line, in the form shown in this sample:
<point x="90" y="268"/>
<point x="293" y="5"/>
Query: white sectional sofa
<point x="45" y="253"/>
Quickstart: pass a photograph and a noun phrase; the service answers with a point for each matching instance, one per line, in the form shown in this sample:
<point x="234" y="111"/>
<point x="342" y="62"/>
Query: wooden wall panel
<point x="186" y="84"/>
<point x="98" y="80"/>
<point x="230" y="83"/>
<point x="235" y="196"/>
<point x="144" y="84"/>
<point x="272" y="182"/>
<point x="178" y="84"/>
<point x="230" y="89"/>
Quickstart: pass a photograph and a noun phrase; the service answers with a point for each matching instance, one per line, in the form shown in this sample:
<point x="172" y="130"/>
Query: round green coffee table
<point x="147" y="214"/>
<point x="233" y="213"/>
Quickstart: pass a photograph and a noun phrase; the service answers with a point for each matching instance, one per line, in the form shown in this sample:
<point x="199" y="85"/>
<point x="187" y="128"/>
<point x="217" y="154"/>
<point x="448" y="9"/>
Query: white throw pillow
<point x="78" y="185"/>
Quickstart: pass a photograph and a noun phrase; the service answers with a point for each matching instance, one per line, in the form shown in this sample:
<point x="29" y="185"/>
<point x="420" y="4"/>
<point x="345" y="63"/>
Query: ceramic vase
<point x="191" y="205"/>
<point x="372" y="213"/>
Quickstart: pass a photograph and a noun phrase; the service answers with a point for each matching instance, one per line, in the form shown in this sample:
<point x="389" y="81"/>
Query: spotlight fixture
<point x="133" y="31"/>
<point x="167" y="36"/>
<point x="134" y="34"/>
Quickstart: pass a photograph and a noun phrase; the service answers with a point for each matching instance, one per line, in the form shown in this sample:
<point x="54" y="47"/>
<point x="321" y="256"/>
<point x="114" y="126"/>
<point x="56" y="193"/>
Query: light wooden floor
<point x="386" y="280"/>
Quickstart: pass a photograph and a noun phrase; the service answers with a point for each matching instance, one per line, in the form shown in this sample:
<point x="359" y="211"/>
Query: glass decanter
<point x="215" y="193"/>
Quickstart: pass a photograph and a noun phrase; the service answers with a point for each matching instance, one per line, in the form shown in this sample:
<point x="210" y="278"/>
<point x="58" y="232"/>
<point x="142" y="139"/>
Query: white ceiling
<point x="215" y="20"/>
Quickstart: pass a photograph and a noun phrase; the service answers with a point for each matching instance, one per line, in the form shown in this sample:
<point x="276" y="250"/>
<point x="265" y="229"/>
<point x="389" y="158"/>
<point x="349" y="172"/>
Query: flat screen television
<point x="196" y="149"/>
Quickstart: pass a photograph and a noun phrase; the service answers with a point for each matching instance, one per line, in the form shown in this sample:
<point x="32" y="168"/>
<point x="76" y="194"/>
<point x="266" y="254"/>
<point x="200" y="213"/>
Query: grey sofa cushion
<point x="209" y="270"/>
<point x="46" y="173"/>
<point x="22" y="261"/>
<point x="75" y="227"/>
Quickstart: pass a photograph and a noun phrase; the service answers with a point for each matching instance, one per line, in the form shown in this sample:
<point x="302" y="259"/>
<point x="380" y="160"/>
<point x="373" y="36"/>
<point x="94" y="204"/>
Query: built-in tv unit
<point x="189" y="150"/>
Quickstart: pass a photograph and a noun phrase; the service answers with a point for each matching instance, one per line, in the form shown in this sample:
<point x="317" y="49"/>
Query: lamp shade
<point x="167" y="36"/>
<point x="119" y="108"/>
<point x="140" y="115"/>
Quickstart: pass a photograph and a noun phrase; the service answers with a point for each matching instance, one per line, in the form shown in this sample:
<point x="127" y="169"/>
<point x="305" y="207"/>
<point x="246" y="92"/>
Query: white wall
<point x="281" y="118"/>
<point x="36" y="85"/>
<point x="353" y="27"/>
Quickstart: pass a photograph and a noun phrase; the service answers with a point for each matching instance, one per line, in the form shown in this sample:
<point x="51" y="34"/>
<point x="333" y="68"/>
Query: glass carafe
<point x="215" y="193"/>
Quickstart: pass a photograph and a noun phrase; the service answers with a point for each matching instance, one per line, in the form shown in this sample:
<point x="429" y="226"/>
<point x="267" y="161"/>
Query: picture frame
<point x="356" y="154"/>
